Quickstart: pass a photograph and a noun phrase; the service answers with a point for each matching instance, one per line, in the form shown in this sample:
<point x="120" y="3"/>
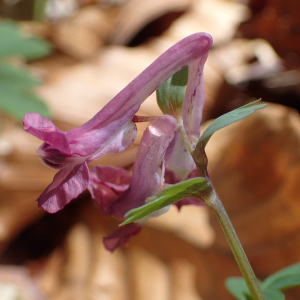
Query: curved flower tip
<point x="194" y="96"/>
<point x="106" y="186"/>
<point x="46" y="131"/>
<point x="121" y="236"/>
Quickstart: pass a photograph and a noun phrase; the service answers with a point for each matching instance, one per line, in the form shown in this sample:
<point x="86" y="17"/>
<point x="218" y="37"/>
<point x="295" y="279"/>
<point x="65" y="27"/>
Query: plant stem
<point x="216" y="204"/>
<point x="191" y="146"/>
<point x="212" y="200"/>
<point x="39" y="9"/>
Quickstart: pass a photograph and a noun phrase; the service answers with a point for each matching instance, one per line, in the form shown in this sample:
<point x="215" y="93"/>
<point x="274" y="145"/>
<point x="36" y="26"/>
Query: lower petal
<point x="67" y="184"/>
<point x="121" y="236"/>
<point x="106" y="186"/>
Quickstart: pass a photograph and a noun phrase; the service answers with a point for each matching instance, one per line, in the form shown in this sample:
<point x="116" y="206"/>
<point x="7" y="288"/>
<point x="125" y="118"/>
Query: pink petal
<point x="121" y="108"/>
<point x="117" y="179"/>
<point x="46" y="131"/>
<point x="148" y="169"/>
<point x="116" y="143"/>
<point x="87" y="141"/>
<point x="90" y="139"/>
<point x="194" y="99"/>
<point x="67" y="184"/>
<point x="121" y="236"/>
<point x="106" y="186"/>
<point x="178" y="159"/>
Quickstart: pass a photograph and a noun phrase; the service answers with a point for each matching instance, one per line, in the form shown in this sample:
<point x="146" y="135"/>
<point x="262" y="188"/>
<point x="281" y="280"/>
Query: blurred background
<point x="66" y="59"/>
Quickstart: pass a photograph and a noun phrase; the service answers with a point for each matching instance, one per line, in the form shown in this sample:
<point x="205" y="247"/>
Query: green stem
<point x="39" y="9"/>
<point x="212" y="200"/>
<point x="191" y="146"/>
<point x="216" y="204"/>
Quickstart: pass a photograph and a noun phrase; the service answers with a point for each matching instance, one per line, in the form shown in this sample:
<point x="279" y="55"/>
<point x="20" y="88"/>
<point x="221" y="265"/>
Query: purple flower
<point x="111" y="130"/>
<point x="147" y="179"/>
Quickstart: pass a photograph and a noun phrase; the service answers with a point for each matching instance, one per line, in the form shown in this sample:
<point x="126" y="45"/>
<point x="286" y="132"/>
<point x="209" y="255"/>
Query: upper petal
<point x="116" y="143"/>
<point x="148" y="169"/>
<point x="98" y="132"/>
<point x="112" y="136"/>
<point x="46" y="131"/>
<point x="121" y="108"/>
<point x="67" y="184"/>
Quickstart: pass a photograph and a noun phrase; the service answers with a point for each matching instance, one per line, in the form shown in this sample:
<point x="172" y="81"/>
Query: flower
<point x="111" y="130"/>
<point x="147" y="180"/>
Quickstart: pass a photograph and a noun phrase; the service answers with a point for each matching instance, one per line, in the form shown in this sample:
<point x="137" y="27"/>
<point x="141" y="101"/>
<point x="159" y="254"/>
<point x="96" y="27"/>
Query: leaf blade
<point x="16" y="94"/>
<point x="273" y="294"/>
<point x="227" y="119"/>
<point x="168" y="196"/>
<point x="13" y="43"/>
<point x="237" y="287"/>
<point x="283" y="279"/>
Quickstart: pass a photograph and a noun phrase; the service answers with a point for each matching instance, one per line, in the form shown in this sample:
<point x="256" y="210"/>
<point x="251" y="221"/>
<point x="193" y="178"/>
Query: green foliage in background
<point x="17" y="83"/>
<point x="271" y="286"/>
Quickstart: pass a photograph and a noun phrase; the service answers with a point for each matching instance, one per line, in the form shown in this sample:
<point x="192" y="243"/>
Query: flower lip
<point x="45" y="130"/>
<point x="54" y="159"/>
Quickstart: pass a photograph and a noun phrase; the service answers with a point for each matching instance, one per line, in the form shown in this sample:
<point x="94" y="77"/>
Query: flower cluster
<point x="162" y="157"/>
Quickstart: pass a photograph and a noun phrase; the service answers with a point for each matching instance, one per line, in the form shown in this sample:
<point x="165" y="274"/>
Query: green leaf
<point x="227" y="119"/>
<point x="238" y="288"/>
<point x="16" y="77"/>
<point x="169" y="195"/>
<point x="13" y="43"/>
<point x="283" y="279"/>
<point x="273" y="294"/>
<point x="16" y="95"/>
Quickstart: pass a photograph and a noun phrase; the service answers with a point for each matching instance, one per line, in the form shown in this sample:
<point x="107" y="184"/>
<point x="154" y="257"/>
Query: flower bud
<point x="170" y="95"/>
